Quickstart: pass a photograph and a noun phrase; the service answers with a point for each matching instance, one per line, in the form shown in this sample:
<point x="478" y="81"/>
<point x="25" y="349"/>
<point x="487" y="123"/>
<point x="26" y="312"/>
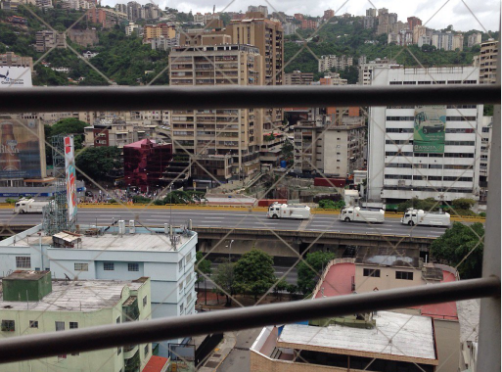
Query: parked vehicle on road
<point x="299" y="212"/>
<point x="419" y="217"/>
<point x="29" y="206"/>
<point x="357" y="214"/>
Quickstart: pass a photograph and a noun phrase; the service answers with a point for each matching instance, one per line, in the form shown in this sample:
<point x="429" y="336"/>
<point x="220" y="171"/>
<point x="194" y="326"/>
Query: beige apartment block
<point x="10" y="59"/>
<point x="216" y="134"/>
<point x="267" y="36"/>
<point x="117" y="132"/>
<point x="488" y="62"/>
<point x="298" y="78"/>
<point x="46" y="40"/>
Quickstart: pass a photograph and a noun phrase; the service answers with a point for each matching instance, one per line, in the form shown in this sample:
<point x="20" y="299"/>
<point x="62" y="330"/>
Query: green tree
<point x="224" y="278"/>
<point x="97" y="162"/>
<point x="254" y="273"/>
<point x="287" y="152"/>
<point x="456" y="243"/>
<point x="70" y="126"/>
<point x="428" y="204"/>
<point x="203" y="266"/>
<point x="463" y="203"/>
<point x="307" y="278"/>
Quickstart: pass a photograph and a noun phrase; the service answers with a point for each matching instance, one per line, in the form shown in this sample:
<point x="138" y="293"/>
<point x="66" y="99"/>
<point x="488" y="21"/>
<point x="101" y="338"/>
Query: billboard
<point x="15" y="77"/>
<point x="71" y="178"/>
<point x="22" y="154"/>
<point x="429" y="129"/>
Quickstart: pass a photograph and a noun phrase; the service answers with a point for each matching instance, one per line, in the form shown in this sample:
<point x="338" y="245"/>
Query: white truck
<point x="350" y="214"/>
<point x="299" y="212"/>
<point x="29" y="206"/>
<point x="419" y="217"/>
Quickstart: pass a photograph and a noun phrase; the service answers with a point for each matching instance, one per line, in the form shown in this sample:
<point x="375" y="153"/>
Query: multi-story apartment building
<point x="267" y="36"/>
<point x="162" y="43"/>
<point x="117" y="132"/>
<point x="133" y="27"/>
<point x="289" y="28"/>
<point x="326" y="63"/>
<point x="413" y="22"/>
<point x="9" y="59"/>
<point x="334" y="144"/>
<point x="404" y="37"/>
<point x="424" y="151"/>
<point x="33" y="304"/>
<point x="474" y="39"/>
<point x="386" y="21"/>
<point x="158" y="31"/>
<point x="46" y="40"/>
<point x="44" y="3"/>
<point x="448" y="40"/>
<point x="488" y="62"/>
<point x="484" y="153"/>
<point x="298" y="78"/>
<point x="309" y="24"/>
<point x="114" y="253"/>
<point x="214" y="134"/>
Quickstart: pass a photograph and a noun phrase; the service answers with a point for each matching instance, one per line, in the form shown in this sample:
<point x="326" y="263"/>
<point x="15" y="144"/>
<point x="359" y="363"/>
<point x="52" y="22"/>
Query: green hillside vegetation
<point x="122" y="59"/>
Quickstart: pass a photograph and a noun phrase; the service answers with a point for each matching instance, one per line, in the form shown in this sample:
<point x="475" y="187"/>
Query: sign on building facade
<point x="22" y="154"/>
<point x="71" y="178"/>
<point x="429" y="129"/>
<point x="15" y="77"/>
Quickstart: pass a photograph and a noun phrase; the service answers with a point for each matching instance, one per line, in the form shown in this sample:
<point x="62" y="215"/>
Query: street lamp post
<point x="229" y="248"/>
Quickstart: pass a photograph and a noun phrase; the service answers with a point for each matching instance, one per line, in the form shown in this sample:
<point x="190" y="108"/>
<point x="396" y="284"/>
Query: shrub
<point x="158" y="202"/>
<point x="330" y="204"/>
<point x="141" y="199"/>
<point x="11" y="201"/>
<point x="482" y="214"/>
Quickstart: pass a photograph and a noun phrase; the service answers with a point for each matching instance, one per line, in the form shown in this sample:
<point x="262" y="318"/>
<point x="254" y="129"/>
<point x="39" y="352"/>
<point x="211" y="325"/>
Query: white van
<point x="29" y="206"/>
<point x="351" y="214"/>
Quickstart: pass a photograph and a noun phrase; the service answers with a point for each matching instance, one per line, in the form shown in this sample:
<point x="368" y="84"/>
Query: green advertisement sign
<point x="429" y="129"/>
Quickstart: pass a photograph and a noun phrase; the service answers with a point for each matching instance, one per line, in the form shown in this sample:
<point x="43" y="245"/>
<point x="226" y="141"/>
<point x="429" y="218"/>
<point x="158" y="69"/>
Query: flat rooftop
<point x="412" y="338"/>
<point x="77" y="295"/>
<point x="141" y="240"/>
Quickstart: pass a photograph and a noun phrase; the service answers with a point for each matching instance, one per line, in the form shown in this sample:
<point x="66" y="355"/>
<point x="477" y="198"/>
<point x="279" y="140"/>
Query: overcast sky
<point x="454" y="12"/>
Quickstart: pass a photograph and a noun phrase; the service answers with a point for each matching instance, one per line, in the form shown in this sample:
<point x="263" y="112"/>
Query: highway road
<point x="235" y="219"/>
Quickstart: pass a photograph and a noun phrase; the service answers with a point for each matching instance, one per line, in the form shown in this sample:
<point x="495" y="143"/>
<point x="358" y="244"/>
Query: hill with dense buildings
<point x="125" y="60"/>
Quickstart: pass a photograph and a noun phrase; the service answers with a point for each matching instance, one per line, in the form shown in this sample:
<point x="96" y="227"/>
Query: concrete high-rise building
<point x="369" y="22"/>
<point x="159" y="30"/>
<point x="484" y="151"/>
<point x="9" y="59"/>
<point x="371" y="12"/>
<point x="366" y="68"/>
<point x="413" y="22"/>
<point x="474" y="39"/>
<point x="458" y="42"/>
<point x="418" y="31"/>
<point x="226" y="142"/>
<point x="488" y="62"/>
<point x="448" y="41"/>
<point x="267" y="36"/>
<point x="424" y="151"/>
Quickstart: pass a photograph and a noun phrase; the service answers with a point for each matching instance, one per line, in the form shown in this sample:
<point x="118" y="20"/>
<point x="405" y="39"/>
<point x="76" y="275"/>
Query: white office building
<point x="447" y="169"/>
<point x="115" y="253"/>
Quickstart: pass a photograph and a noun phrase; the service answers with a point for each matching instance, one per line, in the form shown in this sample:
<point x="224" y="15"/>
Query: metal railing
<point x="488" y="288"/>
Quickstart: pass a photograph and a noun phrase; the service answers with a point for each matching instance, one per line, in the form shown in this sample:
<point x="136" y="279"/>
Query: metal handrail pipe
<point x="58" y="99"/>
<point x="23" y="348"/>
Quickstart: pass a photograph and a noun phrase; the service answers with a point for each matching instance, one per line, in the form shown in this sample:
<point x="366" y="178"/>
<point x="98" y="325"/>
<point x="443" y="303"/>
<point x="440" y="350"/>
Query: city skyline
<point x="458" y="14"/>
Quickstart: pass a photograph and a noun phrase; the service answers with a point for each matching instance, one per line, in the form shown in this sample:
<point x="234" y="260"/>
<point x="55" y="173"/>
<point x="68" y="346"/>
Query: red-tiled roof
<point x="338" y="280"/>
<point x="138" y="144"/>
<point x="155" y="364"/>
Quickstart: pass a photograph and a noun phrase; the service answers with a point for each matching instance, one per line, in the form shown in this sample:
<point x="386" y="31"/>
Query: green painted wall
<point x="27" y="290"/>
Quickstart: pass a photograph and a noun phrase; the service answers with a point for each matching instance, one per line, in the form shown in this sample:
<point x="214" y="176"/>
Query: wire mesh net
<point x="304" y="259"/>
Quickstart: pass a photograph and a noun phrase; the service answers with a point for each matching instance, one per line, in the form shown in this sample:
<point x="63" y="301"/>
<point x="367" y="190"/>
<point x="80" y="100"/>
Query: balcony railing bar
<point x="21" y="100"/>
<point x="95" y="338"/>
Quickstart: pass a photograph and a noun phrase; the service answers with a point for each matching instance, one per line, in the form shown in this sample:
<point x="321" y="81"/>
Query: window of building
<point x="81" y="267"/>
<point x="371" y="272"/>
<point x="180" y="265"/>
<point x="119" y="350"/>
<point x="147" y="349"/>
<point x="180" y="286"/>
<point x="108" y="266"/>
<point x="188" y="258"/>
<point x="133" y="266"/>
<point x="8" y="325"/>
<point x="405" y="275"/>
<point x="145" y="300"/>
<point x="33" y="323"/>
<point x="73" y="325"/>
<point x="23" y="262"/>
<point x="60" y="326"/>
<point x="181" y="308"/>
